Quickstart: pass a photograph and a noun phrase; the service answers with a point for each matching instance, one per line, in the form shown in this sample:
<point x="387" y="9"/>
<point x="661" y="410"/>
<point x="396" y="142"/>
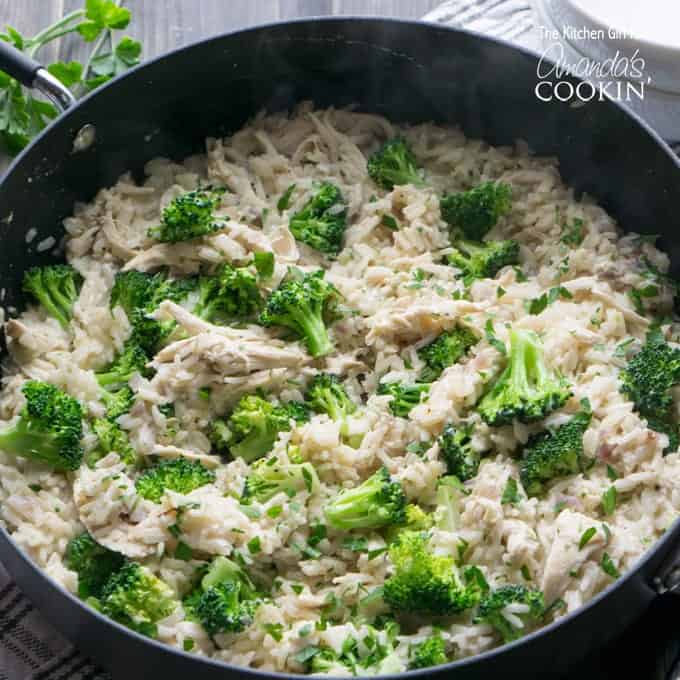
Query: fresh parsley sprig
<point x="23" y="115"/>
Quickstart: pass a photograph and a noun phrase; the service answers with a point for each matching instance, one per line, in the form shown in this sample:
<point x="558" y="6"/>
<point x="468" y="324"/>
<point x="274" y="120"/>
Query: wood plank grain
<point x="163" y="25"/>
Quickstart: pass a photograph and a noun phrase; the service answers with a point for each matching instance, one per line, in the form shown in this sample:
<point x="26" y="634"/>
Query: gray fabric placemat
<point x="30" y="649"/>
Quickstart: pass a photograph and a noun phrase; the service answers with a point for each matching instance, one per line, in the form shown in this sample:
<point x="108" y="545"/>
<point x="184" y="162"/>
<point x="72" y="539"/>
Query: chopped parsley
<point x="273" y="629"/>
<point x="284" y="202"/>
<point x="586" y="536"/>
<point x="492" y="339"/>
<point x="183" y="552"/>
<point x="538" y="305"/>
<point x="609" y="500"/>
<point x="574" y="233"/>
<point x="390" y="222"/>
<point x="608" y="566"/>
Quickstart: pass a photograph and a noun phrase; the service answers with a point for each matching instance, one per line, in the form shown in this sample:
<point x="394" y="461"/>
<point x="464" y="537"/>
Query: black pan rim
<point x="672" y="533"/>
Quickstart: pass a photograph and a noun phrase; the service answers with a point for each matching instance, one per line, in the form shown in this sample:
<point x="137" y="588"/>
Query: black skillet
<point x="408" y="72"/>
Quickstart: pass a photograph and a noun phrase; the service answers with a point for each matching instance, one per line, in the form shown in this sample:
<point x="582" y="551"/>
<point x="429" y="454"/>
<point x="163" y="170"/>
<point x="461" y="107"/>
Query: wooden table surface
<point x="163" y="24"/>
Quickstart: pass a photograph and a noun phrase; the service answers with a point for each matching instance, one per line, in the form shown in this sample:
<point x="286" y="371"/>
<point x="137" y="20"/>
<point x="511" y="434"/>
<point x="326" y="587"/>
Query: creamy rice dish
<point x="341" y="396"/>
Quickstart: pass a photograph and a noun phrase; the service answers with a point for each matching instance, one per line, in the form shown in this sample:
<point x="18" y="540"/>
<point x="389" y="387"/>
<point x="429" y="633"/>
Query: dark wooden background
<point x="647" y="651"/>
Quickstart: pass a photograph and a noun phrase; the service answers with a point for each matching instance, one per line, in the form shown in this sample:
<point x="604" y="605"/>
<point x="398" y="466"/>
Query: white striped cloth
<point x="512" y="20"/>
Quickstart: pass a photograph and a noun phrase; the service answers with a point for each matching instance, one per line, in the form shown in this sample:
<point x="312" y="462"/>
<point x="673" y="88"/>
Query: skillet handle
<point x="31" y="74"/>
<point x="17" y="64"/>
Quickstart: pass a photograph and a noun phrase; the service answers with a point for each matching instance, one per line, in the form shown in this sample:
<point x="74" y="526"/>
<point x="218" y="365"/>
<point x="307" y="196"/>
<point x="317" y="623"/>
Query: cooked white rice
<point x="391" y="313"/>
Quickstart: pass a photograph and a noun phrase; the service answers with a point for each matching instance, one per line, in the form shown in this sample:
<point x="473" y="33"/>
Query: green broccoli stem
<point x="522" y="353"/>
<point x="333" y="408"/>
<point x="254" y="446"/>
<point x="314" y="331"/>
<point x="22" y="440"/>
<point x="111" y="378"/>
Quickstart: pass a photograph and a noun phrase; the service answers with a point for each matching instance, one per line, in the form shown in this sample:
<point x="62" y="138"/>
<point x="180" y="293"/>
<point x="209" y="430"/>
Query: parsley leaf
<point x="492" y="339"/>
<point x="106" y="66"/>
<point x="355" y="543"/>
<point x="389" y="222"/>
<point x="69" y="73"/>
<point x="284" y="202"/>
<point x="23" y="116"/>
<point x="101" y="15"/>
<point x="586" y="536"/>
<point x="608" y="566"/>
<point x="609" y="500"/>
<point x="537" y="305"/>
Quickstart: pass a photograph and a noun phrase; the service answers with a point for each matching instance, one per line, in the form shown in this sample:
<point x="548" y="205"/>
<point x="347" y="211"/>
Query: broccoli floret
<point x="485" y="259"/>
<point x="93" y="563"/>
<point x="554" y="454"/>
<point x="226" y="600"/>
<point x="131" y="360"/>
<point x="304" y="304"/>
<point x="49" y="428"/>
<point x="404" y="397"/>
<point x="445" y="351"/>
<point x="269" y="477"/>
<point x="415" y="519"/>
<point x="327" y="395"/>
<point x="189" y="216"/>
<point x="229" y="293"/>
<point x="139" y="294"/>
<point x="178" y="474"/>
<point x="322" y="221"/>
<point x="476" y="211"/>
<point x="455" y="446"/>
<point x="254" y="426"/>
<point x="450" y="490"/>
<point x="512" y="610"/>
<point x="394" y="164"/>
<point x="527" y="389"/>
<point x="223" y="609"/>
<point x="424" y="582"/>
<point x="135" y="290"/>
<point x="118" y="403"/>
<point x="149" y="334"/>
<point x="136" y="598"/>
<point x="378" y="502"/>
<point x="56" y="287"/>
<point x="430" y="652"/>
<point x="113" y="438"/>
<point x="647" y="381"/>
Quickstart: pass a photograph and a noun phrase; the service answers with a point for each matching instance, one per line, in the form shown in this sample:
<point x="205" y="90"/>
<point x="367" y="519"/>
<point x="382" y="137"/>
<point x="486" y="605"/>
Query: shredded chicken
<point x="409" y="319"/>
<point x="113" y="513"/>
<point x="566" y="555"/>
